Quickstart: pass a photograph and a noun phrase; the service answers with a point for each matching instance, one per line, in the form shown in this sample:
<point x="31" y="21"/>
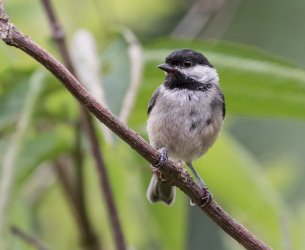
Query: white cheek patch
<point x="201" y="73"/>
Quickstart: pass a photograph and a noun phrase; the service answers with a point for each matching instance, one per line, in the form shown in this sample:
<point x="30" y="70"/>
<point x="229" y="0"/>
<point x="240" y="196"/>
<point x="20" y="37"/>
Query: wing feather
<point x="153" y="100"/>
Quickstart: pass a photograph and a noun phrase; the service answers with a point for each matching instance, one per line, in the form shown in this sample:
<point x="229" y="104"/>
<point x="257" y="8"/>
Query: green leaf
<point x="254" y="82"/>
<point x="40" y="148"/>
<point x="116" y="73"/>
<point x="11" y="154"/>
<point x="13" y="92"/>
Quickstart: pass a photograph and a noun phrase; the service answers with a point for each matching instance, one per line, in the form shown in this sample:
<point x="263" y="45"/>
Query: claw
<point x="163" y="157"/>
<point x="205" y="200"/>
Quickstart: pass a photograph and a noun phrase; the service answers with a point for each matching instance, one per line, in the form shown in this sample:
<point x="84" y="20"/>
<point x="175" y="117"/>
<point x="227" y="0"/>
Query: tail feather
<point x="160" y="191"/>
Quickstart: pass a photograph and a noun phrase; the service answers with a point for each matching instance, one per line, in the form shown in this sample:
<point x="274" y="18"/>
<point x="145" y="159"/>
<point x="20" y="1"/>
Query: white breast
<point x="183" y="122"/>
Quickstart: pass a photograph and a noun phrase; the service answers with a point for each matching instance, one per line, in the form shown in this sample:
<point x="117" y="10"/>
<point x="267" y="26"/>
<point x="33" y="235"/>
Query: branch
<point x="105" y="185"/>
<point x="58" y="34"/>
<point x="88" y="240"/>
<point x="59" y="37"/>
<point x="30" y="240"/>
<point x="76" y="198"/>
<point x="172" y="173"/>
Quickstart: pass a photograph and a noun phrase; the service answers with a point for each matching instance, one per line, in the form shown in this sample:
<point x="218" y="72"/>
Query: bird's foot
<point x="208" y="195"/>
<point x="205" y="200"/>
<point x="163" y="158"/>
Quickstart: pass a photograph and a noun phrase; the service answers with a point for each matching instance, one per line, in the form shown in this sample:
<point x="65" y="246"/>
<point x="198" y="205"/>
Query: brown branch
<point x="172" y="172"/>
<point x="59" y="37"/>
<point x="78" y="160"/>
<point x="30" y="240"/>
<point x="74" y="193"/>
<point x="88" y="240"/>
<point x="105" y="185"/>
<point x="60" y="168"/>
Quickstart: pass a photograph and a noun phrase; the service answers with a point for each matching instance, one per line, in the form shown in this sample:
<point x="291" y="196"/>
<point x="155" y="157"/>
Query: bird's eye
<point x="187" y="63"/>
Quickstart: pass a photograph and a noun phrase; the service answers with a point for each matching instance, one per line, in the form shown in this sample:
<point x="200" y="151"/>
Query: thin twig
<point x="59" y="37"/>
<point x="79" y="184"/>
<point x="104" y="182"/>
<point x="30" y="240"/>
<point x="172" y="173"/>
<point x="74" y="193"/>
<point x="58" y="34"/>
<point x="61" y="167"/>
<point x="89" y="239"/>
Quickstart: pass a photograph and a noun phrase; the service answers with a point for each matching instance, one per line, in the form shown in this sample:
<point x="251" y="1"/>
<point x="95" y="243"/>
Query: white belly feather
<point x="183" y="121"/>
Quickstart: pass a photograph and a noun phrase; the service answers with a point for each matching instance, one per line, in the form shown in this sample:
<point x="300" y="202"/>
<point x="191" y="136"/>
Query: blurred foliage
<point x="273" y="27"/>
<point x="253" y="169"/>
<point x="116" y="72"/>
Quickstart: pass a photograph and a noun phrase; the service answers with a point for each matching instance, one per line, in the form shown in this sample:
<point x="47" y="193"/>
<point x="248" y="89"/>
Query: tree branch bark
<point x="172" y="172"/>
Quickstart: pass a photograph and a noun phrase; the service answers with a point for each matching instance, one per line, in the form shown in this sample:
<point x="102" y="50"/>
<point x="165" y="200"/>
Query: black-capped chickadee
<point x="186" y="114"/>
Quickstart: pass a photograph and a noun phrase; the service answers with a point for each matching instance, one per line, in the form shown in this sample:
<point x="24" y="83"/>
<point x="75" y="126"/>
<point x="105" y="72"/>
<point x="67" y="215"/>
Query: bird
<point x="185" y="116"/>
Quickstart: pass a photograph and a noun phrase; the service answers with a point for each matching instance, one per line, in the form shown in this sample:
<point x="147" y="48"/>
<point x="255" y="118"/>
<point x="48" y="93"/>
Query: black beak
<point x="167" y="68"/>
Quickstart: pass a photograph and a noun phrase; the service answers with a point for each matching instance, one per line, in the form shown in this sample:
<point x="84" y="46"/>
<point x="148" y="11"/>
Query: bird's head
<point x="185" y="67"/>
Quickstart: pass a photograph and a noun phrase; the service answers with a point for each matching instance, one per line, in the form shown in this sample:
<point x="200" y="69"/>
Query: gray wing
<point x="153" y="100"/>
<point x="219" y="104"/>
